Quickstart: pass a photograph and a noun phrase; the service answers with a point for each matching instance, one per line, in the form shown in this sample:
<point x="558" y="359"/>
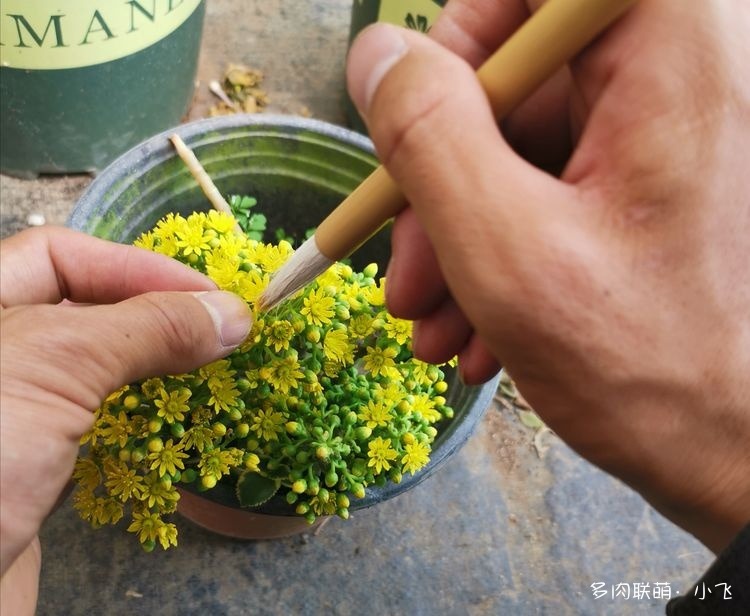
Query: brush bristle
<point x="304" y="266"/>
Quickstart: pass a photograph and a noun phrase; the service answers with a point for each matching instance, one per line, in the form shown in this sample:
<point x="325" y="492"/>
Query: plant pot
<point x="414" y="14"/>
<point x="299" y="170"/>
<point x="80" y="86"/>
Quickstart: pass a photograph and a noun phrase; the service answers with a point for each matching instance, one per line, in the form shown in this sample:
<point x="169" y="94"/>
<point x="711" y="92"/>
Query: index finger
<point x="49" y="264"/>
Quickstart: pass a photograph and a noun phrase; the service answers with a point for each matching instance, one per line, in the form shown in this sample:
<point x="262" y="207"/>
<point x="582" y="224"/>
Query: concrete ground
<point x="515" y="524"/>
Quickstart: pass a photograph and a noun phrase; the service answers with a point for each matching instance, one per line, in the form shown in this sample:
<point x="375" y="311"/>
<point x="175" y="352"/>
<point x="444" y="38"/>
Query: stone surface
<point x="504" y="528"/>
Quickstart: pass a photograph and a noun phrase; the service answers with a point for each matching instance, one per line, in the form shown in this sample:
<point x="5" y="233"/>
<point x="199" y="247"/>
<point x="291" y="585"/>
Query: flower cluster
<point x="321" y="401"/>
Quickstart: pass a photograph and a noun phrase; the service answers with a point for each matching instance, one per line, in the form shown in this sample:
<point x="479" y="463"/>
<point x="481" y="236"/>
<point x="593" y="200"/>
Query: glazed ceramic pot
<point x="298" y="170"/>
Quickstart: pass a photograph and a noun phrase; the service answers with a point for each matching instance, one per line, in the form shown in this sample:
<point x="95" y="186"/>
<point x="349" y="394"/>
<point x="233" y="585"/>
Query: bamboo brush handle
<point x="546" y="41"/>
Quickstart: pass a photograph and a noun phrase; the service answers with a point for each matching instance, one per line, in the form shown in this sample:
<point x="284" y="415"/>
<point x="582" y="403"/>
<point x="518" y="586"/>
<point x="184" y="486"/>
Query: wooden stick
<point x="202" y="178"/>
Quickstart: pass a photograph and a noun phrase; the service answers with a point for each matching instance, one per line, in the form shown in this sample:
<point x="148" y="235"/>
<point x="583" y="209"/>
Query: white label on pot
<point x="57" y="34"/>
<point x="414" y="14"/>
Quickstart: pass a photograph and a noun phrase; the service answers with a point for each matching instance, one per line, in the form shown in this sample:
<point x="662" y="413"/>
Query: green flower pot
<point x="299" y="170"/>
<point x="82" y="81"/>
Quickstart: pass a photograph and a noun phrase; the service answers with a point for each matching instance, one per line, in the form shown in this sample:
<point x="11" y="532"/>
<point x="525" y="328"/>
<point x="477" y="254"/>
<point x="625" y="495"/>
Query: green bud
<point x="313" y="487"/>
<point x="219" y="429"/>
<point x="331" y="478"/>
<point x="302" y="457"/>
<point x="351" y="418"/>
<point x="358" y="491"/>
<point x="362" y="433"/>
<point x="124" y="455"/>
<point x="431" y="431"/>
<point x="313" y="335"/>
<point x="343" y="513"/>
<point x="448" y="412"/>
<point x="176" y="476"/>
<point x="323" y="495"/>
<point x="208" y="481"/>
<point x="177" y="430"/>
<point x="395" y="475"/>
<point x="148" y="545"/>
<point x="322" y="453"/>
<point x="242" y="430"/>
<point x="302" y="508"/>
<point x="252" y="444"/>
<point x="371" y="270"/>
<point x="292" y="427"/>
<point x="342" y="313"/>
<point x="155" y="444"/>
<point x="137" y="455"/>
<point x="166" y="480"/>
<point x="310" y="517"/>
<point x="235" y="414"/>
<point x="291" y="498"/>
<point x="342" y="500"/>
<point x="243" y="384"/>
<point x="189" y="475"/>
<point x="359" y="467"/>
<point x="299" y="486"/>
<point x="441" y="387"/>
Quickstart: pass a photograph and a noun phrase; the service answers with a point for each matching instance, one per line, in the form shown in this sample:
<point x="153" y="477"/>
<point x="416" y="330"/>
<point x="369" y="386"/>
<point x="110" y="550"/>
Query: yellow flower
<point x="317" y="307"/>
<point x="146" y="241"/>
<point x="375" y="295"/>
<point x="252" y="285"/>
<point x="216" y="463"/>
<point x="221" y="222"/>
<point x="283" y="374"/>
<point x="97" y="510"/>
<point x="167" y="535"/>
<point x="87" y="473"/>
<point x="416" y="456"/>
<point x="268" y="424"/>
<point x="273" y="257"/>
<point x="146" y="524"/>
<point x="117" y="430"/>
<point x="198" y="437"/>
<point x="380" y="453"/>
<point x="279" y="333"/>
<point x="361" y="326"/>
<point x="336" y="345"/>
<point x="376" y="413"/>
<point x="379" y="361"/>
<point x="168" y="459"/>
<point x="223" y="394"/>
<point x="173" y="405"/>
<point x="221" y="368"/>
<point x="425" y="406"/>
<point x="192" y="238"/>
<point x="158" y="494"/>
<point x="398" y="329"/>
<point x="223" y="271"/>
<point x="123" y="481"/>
<point x="152" y="388"/>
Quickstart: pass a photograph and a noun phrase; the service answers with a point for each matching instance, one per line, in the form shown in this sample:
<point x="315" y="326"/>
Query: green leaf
<point x="254" y="489"/>
<point x="530" y="420"/>
<point x="257" y="222"/>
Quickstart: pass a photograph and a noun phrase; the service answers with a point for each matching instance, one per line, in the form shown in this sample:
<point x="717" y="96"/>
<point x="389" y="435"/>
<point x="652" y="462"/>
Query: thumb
<point x="86" y="352"/>
<point x="434" y="131"/>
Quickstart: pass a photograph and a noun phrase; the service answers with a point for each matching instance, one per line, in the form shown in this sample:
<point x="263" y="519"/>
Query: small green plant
<point x="322" y="400"/>
<point x="253" y="224"/>
<point x="418" y="23"/>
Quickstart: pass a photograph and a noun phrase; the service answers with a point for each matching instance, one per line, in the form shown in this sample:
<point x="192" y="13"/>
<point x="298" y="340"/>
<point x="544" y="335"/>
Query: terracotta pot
<point x="241" y="523"/>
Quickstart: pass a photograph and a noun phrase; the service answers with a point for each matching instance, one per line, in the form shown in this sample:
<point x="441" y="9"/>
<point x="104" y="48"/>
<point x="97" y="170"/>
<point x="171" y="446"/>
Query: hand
<point x="61" y="359"/>
<point x="618" y="294"/>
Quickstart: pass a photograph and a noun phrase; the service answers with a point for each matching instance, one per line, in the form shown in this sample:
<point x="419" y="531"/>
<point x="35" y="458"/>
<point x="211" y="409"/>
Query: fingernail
<point x="231" y="316"/>
<point x="372" y="55"/>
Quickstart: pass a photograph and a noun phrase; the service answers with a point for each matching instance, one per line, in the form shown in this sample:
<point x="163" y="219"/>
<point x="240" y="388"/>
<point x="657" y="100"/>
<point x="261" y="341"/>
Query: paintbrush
<point x="545" y="42"/>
